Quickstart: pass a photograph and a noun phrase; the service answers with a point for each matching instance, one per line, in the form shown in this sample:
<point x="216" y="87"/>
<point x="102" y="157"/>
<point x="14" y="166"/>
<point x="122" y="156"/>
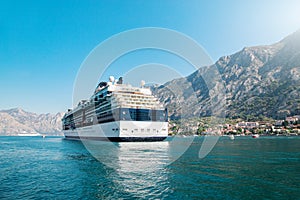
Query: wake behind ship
<point x="117" y="112"/>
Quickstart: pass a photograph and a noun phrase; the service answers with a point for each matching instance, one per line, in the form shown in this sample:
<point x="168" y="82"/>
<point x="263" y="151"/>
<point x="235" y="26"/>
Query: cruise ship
<point x="117" y="112"/>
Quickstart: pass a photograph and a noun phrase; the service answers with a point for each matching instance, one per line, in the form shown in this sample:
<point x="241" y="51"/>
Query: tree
<point x="285" y="123"/>
<point x="239" y="130"/>
<point x="200" y="129"/>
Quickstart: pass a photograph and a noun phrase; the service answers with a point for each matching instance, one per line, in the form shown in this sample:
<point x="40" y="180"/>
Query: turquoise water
<point x="54" y="168"/>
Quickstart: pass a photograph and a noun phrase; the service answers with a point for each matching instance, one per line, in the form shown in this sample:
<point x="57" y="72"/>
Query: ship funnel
<point x="120" y="81"/>
<point x="143" y="83"/>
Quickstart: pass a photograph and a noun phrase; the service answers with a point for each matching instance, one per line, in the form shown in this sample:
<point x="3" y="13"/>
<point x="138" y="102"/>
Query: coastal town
<point x="290" y="126"/>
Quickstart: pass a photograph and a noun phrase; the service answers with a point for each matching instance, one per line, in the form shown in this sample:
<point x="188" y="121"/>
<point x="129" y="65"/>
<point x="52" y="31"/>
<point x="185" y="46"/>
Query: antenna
<point x="111" y="79"/>
<point x="143" y="83"/>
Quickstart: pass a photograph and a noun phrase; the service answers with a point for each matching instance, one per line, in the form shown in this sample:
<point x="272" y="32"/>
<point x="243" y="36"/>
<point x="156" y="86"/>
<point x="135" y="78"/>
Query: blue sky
<point x="43" y="43"/>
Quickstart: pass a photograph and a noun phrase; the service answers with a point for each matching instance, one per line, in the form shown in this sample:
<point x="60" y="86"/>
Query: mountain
<point x="16" y="121"/>
<point x="256" y="81"/>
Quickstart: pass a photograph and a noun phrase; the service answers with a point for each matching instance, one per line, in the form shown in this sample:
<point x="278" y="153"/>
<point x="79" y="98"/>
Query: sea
<point x="56" y="168"/>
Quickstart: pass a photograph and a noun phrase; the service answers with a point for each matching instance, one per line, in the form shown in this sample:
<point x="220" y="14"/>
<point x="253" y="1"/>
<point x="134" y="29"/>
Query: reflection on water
<point x="136" y="167"/>
<point x="138" y="156"/>
<point x="139" y="167"/>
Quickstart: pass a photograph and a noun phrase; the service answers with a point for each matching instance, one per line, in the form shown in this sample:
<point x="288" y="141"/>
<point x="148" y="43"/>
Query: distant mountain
<point x="17" y="121"/>
<point x="258" y="81"/>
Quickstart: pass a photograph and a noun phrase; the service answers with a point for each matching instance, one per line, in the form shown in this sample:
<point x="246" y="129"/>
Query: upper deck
<point x="115" y="94"/>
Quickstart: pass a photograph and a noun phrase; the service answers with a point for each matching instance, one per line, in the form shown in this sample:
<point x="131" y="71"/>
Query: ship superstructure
<point x="118" y="112"/>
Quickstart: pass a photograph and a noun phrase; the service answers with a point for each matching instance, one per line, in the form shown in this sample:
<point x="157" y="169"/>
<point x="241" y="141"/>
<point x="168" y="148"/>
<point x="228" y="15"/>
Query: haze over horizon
<point x="44" y="43"/>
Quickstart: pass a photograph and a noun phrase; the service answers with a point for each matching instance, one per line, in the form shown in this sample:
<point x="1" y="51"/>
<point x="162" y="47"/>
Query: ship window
<point x="124" y="129"/>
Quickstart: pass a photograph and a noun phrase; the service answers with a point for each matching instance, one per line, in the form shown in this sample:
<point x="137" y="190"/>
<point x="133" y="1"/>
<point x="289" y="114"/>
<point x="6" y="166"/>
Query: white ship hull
<point x="121" y="131"/>
<point x="29" y="134"/>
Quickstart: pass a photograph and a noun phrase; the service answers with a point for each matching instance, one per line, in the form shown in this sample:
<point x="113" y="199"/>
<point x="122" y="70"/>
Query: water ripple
<point x="54" y="168"/>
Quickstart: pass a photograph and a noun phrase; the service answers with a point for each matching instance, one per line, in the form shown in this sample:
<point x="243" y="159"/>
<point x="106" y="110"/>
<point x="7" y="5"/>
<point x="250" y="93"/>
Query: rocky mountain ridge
<point x="256" y="81"/>
<point x="17" y="121"/>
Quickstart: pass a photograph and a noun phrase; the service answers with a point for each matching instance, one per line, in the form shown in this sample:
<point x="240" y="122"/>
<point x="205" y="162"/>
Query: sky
<point x="44" y="43"/>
